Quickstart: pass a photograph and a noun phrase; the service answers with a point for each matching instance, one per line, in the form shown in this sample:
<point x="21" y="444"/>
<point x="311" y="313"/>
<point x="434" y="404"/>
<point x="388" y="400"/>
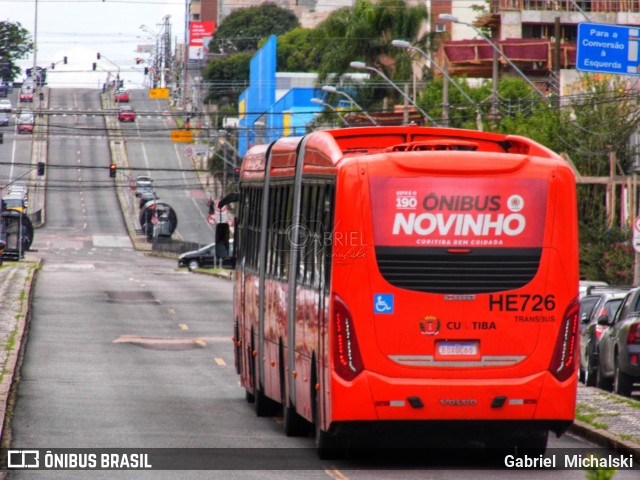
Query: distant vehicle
<point x="591" y="328"/>
<point x="26" y="94"/>
<point x="147" y="196"/>
<point x="26" y="121"/>
<point x="144" y="185"/>
<point x="619" y="348"/>
<point x="14" y="201"/>
<point x="18" y="188"/>
<point x="5" y="105"/>
<point x="201" y="258"/>
<point x="586" y="284"/>
<point x="4" y="119"/>
<point x="121" y="96"/>
<point x="126" y="114"/>
<point x="205" y="257"/>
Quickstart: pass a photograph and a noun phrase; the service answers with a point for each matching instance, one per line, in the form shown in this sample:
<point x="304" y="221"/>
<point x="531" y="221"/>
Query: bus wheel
<point x="532" y="444"/>
<point x="265" y="407"/>
<point x="294" y="424"/>
<point x="248" y="395"/>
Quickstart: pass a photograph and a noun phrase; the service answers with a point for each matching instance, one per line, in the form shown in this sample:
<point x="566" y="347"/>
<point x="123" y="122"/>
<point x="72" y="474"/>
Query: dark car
<point x="619" y="347"/>
<point x="207" y="256"/>
<point x="4" y="119"/>
<point x="201" y="258"/>
<point x="592" y="327"/>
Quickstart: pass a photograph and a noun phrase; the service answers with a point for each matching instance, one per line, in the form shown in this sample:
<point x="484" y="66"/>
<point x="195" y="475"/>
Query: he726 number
<point x="521" y="302"/>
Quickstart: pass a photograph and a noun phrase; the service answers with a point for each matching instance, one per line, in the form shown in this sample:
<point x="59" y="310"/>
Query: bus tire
<point x="294" y="424"/>
<point x="534" y="444"/>
<point x="264" y="406"/>
<point x="327" y="447"/>
<point x="622" y="383"/>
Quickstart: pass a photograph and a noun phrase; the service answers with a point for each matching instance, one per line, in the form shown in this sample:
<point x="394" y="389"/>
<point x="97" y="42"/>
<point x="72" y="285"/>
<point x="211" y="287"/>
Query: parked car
<point x="586" y="285"/>
<point x="205" y="257"/>
<point x="126" y="114"/>
<point x="201" y="258"/>
<point x="619" y="347"/>
<point x="4" y="119"/>
<point x="592" y="328"/>
<point x="121" y="96"/>
<point x="5" y="105"/>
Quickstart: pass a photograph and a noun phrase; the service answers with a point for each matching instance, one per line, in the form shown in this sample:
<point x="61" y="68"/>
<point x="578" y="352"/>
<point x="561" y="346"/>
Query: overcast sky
<point x="79" y="29"/>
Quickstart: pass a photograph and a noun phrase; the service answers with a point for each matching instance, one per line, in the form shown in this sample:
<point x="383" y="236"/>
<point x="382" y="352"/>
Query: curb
<point x="11" y="367"/>
<point x="603" y="438"/>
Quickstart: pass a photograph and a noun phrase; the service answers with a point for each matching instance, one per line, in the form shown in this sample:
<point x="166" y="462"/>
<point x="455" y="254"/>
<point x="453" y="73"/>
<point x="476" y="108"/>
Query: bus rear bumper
<point x="538" y="399"/>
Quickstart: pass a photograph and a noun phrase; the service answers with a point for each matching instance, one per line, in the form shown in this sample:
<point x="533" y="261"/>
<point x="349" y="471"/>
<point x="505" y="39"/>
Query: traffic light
<point x="53" y="66"/>
<point x="40" y="168"/>
<point x="94" y="65"/>
<point x="112" y="170"/>
<point x="64" y="60"/>
<point x="98" y="56"/>
<point x="146" y="70"/>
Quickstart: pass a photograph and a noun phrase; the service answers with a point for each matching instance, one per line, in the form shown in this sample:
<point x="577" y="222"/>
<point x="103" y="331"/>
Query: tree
<point x="15" y="44"/>
<point x="243" y="29"/>
<point x="227" y="78"/>
<point x="364" y="32"/>
<point x="299" y="50"/>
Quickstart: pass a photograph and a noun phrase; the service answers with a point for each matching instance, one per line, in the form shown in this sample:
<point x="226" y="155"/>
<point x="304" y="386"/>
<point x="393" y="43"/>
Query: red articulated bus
<point x="408" y="280"/>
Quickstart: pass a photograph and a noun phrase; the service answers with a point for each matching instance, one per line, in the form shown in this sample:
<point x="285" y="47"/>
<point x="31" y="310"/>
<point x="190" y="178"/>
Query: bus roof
<point x="324" y="149"/>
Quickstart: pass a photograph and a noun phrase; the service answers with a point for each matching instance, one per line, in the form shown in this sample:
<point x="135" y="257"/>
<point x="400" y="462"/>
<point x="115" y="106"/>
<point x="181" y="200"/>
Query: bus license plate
<point x="458" y="349"/>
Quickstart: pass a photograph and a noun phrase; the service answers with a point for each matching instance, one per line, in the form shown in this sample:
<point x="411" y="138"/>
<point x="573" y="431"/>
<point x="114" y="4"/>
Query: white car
<point x="5" y="105"/>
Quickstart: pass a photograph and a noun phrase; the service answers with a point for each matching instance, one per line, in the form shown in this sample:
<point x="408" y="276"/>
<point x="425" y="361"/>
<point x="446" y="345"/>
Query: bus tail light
<point x="346" y="353"/>
<point x="563" y="362"/>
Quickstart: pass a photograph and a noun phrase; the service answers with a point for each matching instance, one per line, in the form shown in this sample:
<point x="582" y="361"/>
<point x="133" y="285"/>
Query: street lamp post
<point x="364" y="66"/>
<point x="317" y="101"/>
<point x="452" y="18"/>
<point x="332" y="89"/>
<point x="406" y="45"/>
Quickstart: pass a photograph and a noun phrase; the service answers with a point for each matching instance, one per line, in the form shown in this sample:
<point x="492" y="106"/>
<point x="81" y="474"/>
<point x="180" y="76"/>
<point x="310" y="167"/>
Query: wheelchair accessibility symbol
<point x="383" y="303"/>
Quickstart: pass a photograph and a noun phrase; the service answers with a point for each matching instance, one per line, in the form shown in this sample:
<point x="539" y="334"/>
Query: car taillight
<point x="563" y="362"/>
<point x="600" y="330"/>
<point x="633" y="337"/>
<point x="346" y="353"/>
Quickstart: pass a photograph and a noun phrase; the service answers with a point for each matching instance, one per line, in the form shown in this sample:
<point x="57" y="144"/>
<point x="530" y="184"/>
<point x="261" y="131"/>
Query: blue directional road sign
<point x="608" y="49"/>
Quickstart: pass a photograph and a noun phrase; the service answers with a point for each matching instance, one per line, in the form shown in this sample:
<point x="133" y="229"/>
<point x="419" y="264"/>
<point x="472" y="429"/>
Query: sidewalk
<point x="608" y="420"/>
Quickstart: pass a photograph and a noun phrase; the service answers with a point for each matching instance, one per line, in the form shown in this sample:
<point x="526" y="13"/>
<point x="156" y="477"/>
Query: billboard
<point x="198" y="31"/>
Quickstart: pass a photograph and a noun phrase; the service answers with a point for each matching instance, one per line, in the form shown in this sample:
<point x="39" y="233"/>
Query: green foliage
<point x="364" y="32"/>
<point x="299" y="50"/>
<point x="244" y="28"/>
<point x="227" y="78"/>
<point x="606" y="254"/>
<point x="15" y="44"/>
